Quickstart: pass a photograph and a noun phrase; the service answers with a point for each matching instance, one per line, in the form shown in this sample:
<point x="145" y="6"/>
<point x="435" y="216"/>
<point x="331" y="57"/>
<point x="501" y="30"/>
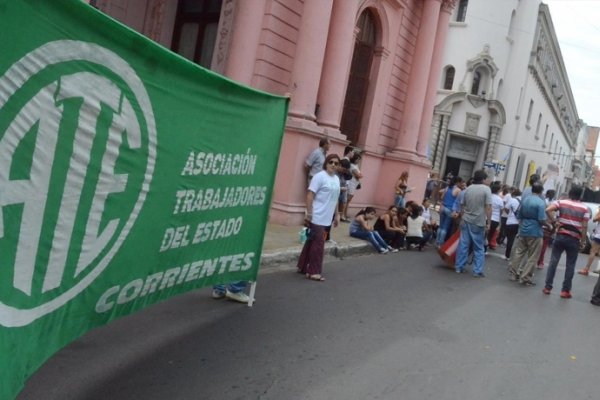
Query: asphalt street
<point x="394" y="326"/>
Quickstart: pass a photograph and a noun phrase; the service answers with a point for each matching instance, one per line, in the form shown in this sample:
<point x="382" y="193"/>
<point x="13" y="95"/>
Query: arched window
<point x="537" y="128"/>
<point x="449" y="78"/>
<point x="476" y="82"/>
<point x="195" y="31"/>
<point x="461" y="12"/>
<point x="358" y="80"/>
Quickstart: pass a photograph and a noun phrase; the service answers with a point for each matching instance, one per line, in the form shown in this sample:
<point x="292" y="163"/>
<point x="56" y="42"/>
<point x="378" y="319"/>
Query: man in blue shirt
<point x="532" y="216"/>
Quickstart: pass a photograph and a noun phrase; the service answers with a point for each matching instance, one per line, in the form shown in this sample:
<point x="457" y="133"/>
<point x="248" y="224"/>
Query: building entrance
<point x="458" y="167"/>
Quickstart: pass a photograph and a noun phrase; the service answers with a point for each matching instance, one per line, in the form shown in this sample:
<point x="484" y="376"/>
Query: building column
<point x="154" y="19"/>
<point x="308" y="61"/>
<point x="494" y="134"/>
<point x="435" y="137"/>
<point x="336" y="66"/>
<point x="440" y="150"/>
<point x="434" y="77"/>
<point x="417" y="86"/>
<point x="245" y="37"/>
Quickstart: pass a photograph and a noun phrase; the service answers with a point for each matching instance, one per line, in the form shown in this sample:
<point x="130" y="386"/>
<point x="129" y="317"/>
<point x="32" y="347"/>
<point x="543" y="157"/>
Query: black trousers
<point x="511" y="233"/>
<point x="502" y="232"/>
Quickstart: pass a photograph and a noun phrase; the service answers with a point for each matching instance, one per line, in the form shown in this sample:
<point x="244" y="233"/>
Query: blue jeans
<point x="570" y="245"/>
<point x="445" y="225"/>
<point x="373" y="237"/>
<point x="399" y="201"/>
<point x="471" y="235"/>
<point x="233" y="287"/>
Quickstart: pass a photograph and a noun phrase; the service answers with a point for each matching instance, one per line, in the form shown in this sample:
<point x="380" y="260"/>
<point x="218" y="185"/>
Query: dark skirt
<point x="311" y="257"/>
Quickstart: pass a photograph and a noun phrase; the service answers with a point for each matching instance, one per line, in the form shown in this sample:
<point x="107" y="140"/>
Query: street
<point x="395" y="326"/>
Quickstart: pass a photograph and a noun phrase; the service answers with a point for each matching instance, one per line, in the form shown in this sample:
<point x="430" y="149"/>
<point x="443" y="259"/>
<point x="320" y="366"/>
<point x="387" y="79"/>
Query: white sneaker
<point x="239" y="296"/>
<point x="216" y="294"/>
<point x="393" y="250"/>
<point x="331" y="241"/>
<point x="383" y="251"/>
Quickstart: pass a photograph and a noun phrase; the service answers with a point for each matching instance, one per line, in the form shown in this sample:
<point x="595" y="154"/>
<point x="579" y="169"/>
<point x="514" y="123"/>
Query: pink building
<point x="361" y="72"/>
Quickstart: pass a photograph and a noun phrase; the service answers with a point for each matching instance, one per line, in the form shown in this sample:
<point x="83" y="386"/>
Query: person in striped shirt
<point x="571" y="225"/>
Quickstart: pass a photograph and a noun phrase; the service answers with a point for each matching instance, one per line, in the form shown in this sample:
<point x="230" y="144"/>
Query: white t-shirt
<point x="327" y="192"/>
<point x="513" y="205"/>
<point x="506" y="199"/>
<point x="497" y="206"/>
<point x="415" y="226"/>
<point x="426" y="214"/>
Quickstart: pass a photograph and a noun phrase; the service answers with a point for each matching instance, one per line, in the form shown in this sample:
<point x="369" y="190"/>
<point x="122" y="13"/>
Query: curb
<point x="278" y="258"/>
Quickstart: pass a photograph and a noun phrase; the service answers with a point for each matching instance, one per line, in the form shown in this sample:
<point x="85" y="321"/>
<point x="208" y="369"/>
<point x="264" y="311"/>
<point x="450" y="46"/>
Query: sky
<point x="577" y="26"/>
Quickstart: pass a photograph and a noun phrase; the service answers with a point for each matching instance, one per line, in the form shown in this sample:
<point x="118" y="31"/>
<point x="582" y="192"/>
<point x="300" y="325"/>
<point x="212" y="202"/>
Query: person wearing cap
<point x="476" y="215"/>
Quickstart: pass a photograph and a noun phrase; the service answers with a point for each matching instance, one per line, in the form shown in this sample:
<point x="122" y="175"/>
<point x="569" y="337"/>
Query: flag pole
<point x="252" y="292"/>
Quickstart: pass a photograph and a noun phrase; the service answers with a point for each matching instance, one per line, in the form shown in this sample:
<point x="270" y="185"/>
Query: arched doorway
<point x="358" y="81"/>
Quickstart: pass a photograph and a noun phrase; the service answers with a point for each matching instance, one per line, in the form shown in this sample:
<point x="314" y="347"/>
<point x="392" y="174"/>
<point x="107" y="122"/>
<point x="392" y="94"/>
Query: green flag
<point x="127" y="175"/>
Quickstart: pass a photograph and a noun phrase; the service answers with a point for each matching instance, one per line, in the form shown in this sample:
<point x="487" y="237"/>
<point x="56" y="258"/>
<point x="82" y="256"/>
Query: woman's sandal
<point x="315" y="277"/>
<point x="583" y="272"/>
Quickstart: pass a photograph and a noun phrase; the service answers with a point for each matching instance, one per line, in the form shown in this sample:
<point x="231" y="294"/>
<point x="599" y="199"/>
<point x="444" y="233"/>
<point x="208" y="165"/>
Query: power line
<point x="540" y="151"/>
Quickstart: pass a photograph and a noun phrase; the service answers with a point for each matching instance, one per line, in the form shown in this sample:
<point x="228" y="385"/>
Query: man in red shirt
<point x="571" y="225"/>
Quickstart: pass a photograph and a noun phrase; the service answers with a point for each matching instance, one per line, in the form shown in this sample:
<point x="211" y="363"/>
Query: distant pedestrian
<point x="497" y="206"/>
<point x="512" y="222"/>
<point x="354" y="183"/>
<point x="505" y="194"/>
<point x="448" y="196"/>
<point x="532" y="216"/>
<point x="321" y="204"/>
<point x="432" y="187"/>
<point x="594" y="246"/>
<point x="572" y="222"/>
<point x="477" y="212"/>
<point x="314" y="163"/>
<point x="430" y="228"/>
<point x="401" y="190"/>
<point x="548" y="229"/>
<point x="344" y="175"/>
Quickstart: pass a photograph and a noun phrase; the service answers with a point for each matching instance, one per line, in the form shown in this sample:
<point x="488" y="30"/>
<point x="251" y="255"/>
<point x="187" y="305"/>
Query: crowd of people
<point x="484" y="214"/>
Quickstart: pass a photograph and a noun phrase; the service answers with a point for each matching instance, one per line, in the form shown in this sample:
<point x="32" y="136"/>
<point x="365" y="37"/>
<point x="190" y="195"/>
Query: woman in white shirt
<point x="414" y="232"/>
<point x="321" y="204"/>
<point x="512" y="223"/>
<point x="497" y="206"/>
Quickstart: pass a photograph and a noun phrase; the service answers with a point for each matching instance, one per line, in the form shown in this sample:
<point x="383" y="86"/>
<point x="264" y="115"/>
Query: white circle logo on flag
<point x="77" y="150"/>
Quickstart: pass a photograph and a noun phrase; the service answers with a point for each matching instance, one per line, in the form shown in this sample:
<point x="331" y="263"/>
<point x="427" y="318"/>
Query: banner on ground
<point x="127" y="175"/>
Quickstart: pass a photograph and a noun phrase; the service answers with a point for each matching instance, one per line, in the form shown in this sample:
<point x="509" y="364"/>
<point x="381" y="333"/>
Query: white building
<point x="504" y="96"/>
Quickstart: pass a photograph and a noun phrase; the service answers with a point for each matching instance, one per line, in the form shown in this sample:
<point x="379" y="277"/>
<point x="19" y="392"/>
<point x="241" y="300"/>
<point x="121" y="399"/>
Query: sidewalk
<point x="282" y="246"/>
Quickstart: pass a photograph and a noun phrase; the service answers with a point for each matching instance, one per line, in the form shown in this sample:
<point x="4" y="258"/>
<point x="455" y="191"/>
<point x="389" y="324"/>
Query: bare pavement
<point x="394" y="326"/>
